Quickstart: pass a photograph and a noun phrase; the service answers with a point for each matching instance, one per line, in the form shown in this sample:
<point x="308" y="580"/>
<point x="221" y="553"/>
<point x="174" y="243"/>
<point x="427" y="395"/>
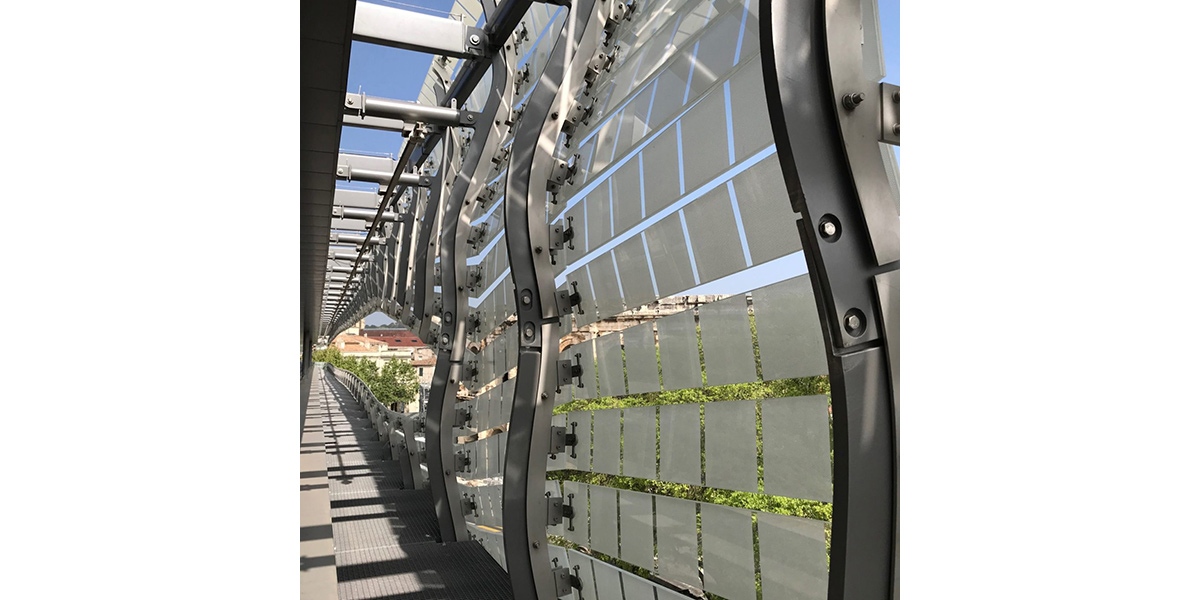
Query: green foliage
<point x="780" y="388"/>
<point x="397" y="382"/>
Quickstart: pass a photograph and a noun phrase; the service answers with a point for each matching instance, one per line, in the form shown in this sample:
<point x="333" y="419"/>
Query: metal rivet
<point x="526" y="298"/>
<point x="474" y="40"/>
<point x="350" y="101"/>
<point x="553" y="116"/>
<point x="535" y="545"/>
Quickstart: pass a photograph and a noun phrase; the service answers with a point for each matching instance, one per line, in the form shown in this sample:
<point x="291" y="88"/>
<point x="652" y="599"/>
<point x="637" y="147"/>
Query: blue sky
<point x="393" y="73"/>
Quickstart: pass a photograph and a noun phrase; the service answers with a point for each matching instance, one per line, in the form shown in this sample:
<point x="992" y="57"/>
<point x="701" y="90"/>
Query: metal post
<point x="527" y="238"/>
<point x="850" y="233"/>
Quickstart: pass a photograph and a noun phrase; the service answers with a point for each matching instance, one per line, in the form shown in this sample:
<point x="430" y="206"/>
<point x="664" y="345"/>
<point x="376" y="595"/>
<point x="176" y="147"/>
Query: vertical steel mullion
<point x="847" y="232"/>
<point x="452" y="340"/>
<point x="527" y="241"/>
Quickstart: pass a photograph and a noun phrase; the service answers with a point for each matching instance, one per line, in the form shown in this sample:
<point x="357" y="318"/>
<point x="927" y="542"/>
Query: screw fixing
<point x="474" y="40"/>
<point x="851" y="101"/>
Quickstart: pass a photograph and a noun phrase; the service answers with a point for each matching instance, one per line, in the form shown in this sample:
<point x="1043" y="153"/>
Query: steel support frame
<point x="409" y="30"/>
<point x="538" y="320"/>
<point x="827" y="143"/>
<point x="452" y="339"/>
<point x="425" y="250"/>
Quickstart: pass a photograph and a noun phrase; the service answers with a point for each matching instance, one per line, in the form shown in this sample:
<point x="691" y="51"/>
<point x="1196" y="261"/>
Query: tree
<point x="396" y="382"/>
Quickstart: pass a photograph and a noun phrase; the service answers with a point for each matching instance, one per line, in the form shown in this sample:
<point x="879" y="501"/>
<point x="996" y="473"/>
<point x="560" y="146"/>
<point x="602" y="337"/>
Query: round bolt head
<point x="474" y="40"/>
<point x="896" y="129"/>
<point x="829" y="228"/>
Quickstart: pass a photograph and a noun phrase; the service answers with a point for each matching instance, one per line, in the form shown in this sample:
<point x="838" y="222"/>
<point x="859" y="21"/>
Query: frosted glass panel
<point x="636" y="588"/>
<point x="796" y="448"/>
<point x="627" y="196"/>
<point x="610" y="366"/>
<point x="604" y="286"/>
<point x="606" y="440"/>
<point x="790" y="342"/>
<point x="640" y="431"/>
<point x="727" y="536"/>
<point x="767" y="215"/>
<point x="587" y="361"/>
<point x="680" y="351"/>
<point x="585" y="574"/>
<point x="599" y="221"/>
<point x="604" y="520"/>
<point x="714" y="57"/>
<point x="714" y="235"/>
<point x="731" y="445"/>
<point x="634" y="267"/>
<point x="660" y="158"/>
<point x="608" y="581"/>
<point x="582" y="420"/>
<point x="728" y="351"/>
<point x="677" y="540"/>
<point x="792" y="557"/>
<point x="672" y="267"/>
<point x="637" y="529"/>
<point x="679" y="438"/>
<point x="705" y="141"/>
<point x="748" y="99"/>
<point x="575" y="494"/>
<point x="641" y="359"/>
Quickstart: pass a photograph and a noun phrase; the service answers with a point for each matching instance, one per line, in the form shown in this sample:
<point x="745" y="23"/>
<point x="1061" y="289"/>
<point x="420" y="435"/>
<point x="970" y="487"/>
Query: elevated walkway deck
<point x="385" y="536"/>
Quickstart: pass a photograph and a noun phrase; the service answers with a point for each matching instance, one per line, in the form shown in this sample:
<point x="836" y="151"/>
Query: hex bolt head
<point x="474" y="40"/>
<point x="829" y="229"/>
<point x="851" y="101"/>
<point x="853" y="322"/>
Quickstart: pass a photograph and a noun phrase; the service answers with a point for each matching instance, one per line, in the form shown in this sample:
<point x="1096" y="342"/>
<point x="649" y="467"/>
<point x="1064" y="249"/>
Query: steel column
<point x="527" y="239"/>
<point x="850" y="235"/>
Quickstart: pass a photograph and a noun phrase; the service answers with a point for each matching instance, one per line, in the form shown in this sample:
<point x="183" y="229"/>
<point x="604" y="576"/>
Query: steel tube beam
<point x="382" y="177"/>
<point x="852" y="251"/>
<point x="408" y="30"/>
<point x="374" y="106"/>
<point x="364" y="213"/>
<point x="355" y="238"/>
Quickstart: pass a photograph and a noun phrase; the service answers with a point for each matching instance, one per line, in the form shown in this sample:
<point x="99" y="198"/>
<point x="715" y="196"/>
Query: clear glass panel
<point x="660" y="158"/>
<point x="604" y="519"/>
<point x="716" y="245"/>
<point x="677" y="559"/>
<point x="796" y="448"/>
<point x="606" y="442"/>
<point x="792" y="557"/>
<point x="790" y="342"/>
<point x="637" y="530"/>
<point x="728" y="538"/>
<point x="679" y="439"/>
<point x="728" y="351"/>
<point x="731" y="445"/>
<point x="680" y="351"/>
<point x="640" y="433"/>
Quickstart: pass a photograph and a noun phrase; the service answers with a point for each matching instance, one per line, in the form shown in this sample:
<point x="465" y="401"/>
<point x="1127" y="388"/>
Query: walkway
<point x="384" y="536"/>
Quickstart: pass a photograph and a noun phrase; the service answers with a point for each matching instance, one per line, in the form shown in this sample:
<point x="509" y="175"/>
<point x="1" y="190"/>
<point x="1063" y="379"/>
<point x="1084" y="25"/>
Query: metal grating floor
<point x="385" y="536"/>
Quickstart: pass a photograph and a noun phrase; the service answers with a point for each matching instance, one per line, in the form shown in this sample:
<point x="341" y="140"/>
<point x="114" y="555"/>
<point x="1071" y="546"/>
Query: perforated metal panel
<point x="727" y="535"/>
<point x="676" y="527"/>
<point x="575" y="494"/>
<point x="606" y="441"/>
<point x="582" y="461"/>
<point x="603" y="519"/>
<point x="766" y="211"/>
<point x="714" y="235"/>
<point x="672" y="267"/>
<point x="679" y="439"/>
<point x="634" y="267"/>
<point x="641" y="359"/>
<point x="637" y="529"/>
<point x="796" y="448"/>
<point x="731" y="445"/>
<point x="680" y="351"/>
<point x="790" y="342"/>
<point x="610" y="365"/>
<point x="792" y="558"/>
<point x="728" y="350"/>
<point x="640" y="433"/>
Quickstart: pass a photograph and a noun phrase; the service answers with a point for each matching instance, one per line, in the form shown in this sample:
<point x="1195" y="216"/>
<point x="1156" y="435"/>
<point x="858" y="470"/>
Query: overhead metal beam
<point x="375" y="169"/>
<point x="374" y="106"/>
<point x="355" y="238"/>
<point x="409" y="30"/>
<point x="378" y="123"/>
<point x="342" y="212"/>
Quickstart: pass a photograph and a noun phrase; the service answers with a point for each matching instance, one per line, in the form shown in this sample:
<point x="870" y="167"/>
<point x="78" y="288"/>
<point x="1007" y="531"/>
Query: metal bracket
<point x="559" y="237"/>
<point x="554" y="510"/>
<point x="462" y="462"/>
<point x="560" y="439"/>
<point x="564" y="580"/>
<point x="568" y="300"/>
<point x="500" y="158"/>
<point x="476" y="42"/>
<point x="889" y="114"/>
<point x="478" y="232"/>
<point x="520" y="35"/>
<point x="462" y="416"/>
<point x="474" y="276"/>
<point x="561" y="172"/>
<point x="474" y="321"/>
<point x="579" y="112"/>
<point x="568" y="371"/>
<point x="469" y="505"/>
<point x="520" y="79"/>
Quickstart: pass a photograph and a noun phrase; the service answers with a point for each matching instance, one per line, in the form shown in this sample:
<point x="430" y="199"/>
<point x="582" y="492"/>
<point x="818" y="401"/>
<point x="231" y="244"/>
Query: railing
<point x="404" y="432"/>
<point x="666" y="320"/>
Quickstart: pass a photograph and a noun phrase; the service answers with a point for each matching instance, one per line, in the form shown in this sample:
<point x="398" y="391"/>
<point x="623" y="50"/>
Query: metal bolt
<point x="896" y="97"/>
<point x="474" y="40"/>
<point x="896" y="129"/>
<point x="829" y="228"/>
<point x="851" y="101"/>
<point x="526" y="298"/>
<point x="553" y="116"/>
<point x="470" y="118"/>
<point x="529" y="330"/>
<point x="535" y="545"/>
<point x="853" y="322"/>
